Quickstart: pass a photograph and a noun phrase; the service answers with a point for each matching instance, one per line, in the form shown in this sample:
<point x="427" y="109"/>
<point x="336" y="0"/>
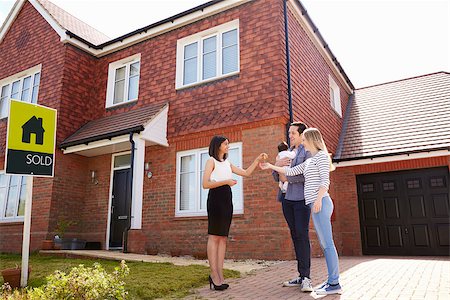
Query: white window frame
<point x="125" y="62"/>
<point x="15" y="218"/>
<point x="238" y="208"/>
<point x="335" y="96"/>
<point x="199" y="38"/>
<point x="31" y="72"/>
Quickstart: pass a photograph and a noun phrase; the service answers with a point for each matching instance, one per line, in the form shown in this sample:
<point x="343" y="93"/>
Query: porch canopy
<point x="111" y="134"/>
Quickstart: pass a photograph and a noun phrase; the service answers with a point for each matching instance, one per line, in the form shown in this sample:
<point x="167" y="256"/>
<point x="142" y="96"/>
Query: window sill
<point x="200" y="83"/>
<point x="18" y="221"/>
<point x="122" y="104"/>
<point x="238" y="214"/>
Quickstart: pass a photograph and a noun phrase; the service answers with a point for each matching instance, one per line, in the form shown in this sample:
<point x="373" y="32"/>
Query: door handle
<point x="406" y="230"/>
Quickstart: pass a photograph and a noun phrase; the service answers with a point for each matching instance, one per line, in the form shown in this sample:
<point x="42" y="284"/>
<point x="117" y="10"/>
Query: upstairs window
<point x="208" y="55"/>
<point x="22" y="86"/>
<point x="335" y="96"/>
<point x="123" y="81"/>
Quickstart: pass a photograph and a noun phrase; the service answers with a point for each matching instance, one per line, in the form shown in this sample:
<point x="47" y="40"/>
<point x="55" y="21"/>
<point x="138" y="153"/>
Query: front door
<point x="405" y="213"/>
<point x="121" y="195"/>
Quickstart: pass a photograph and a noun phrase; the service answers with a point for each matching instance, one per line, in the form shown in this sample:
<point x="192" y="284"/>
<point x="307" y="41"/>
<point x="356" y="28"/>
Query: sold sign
<point x="31" y="137"/>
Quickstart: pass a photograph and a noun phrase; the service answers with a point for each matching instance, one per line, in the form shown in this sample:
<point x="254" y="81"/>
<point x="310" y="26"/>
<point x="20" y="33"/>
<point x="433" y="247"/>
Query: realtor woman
<point x="218" y="179"/>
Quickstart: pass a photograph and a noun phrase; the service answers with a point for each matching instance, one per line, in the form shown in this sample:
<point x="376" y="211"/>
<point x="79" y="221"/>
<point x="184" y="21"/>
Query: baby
<point x="283" y="152"/>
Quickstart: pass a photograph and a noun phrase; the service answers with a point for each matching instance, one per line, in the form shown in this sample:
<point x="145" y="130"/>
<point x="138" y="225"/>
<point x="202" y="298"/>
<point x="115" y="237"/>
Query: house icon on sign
<point x="33" y="125"/>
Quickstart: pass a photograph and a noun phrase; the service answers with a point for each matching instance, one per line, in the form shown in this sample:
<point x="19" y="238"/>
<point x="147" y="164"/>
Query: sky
<point x="375" y="41"/>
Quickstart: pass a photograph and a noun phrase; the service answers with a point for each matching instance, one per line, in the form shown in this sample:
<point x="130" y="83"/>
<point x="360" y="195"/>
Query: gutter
<point x="143" y="29"/>
<point x="110" y="135"/>
<point x="288" y="70"/>
<point x="407" y="153"/>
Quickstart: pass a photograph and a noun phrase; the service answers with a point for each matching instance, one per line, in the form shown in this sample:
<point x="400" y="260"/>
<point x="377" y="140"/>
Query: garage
<point x="405" y="212"/>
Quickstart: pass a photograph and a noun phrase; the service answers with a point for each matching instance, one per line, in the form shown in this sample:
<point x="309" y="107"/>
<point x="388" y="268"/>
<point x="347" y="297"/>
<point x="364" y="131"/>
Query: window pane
<point x="34" y="94"/>
<point x="2" y="199"/>
<point x="15" y="90"/>
<point x="37" y="79"/>
<point x="22" y="198"/>
<point x="120" y="74"/>
<point x="229" y="38"/>
<point x="134" y="69"/>
<point x="122" y="161"/>
<point x="4" y="100"/>
<point x="190" y="63"/>
<point x="230" y="59"/>
<point x="190" y="51"/>
<point x="187" y="191"/>
<point x="203" y="192"/>
<point x="209" y="65"/>
<point x="119" y="88"/>
<point x="190" y="71"/>
<point x="11" y="202"/>
<point x="133" y="88"/>
<point x="14" y="180"/>
<point x="26" y="89"/>
<point x="188" y="164"/>
<point x="3" y="180"/>
<point x="209" y="44"/>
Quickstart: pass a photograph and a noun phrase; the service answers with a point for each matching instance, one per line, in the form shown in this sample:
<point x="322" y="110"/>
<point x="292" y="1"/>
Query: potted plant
<point x="67" y="243"/>
<point x="12" y="276"/>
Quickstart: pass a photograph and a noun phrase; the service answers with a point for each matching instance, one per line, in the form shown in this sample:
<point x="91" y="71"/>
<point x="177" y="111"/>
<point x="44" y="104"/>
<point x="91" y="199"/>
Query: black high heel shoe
<point x="225" y="285"/>
<point x="216" y="287"/>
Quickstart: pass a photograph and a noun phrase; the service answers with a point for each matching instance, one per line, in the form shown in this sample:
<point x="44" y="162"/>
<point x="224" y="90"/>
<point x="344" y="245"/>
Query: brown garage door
<point x="405" y="213"/>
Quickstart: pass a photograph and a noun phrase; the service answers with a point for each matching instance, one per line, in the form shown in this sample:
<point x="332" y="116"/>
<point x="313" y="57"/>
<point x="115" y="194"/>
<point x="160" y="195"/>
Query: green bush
<point x="82" y="283"/>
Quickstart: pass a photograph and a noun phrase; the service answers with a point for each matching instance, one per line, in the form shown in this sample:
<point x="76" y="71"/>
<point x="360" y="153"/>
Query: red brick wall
<point x="310" y="85"/>
<point x="343" y="190"/>
<point x="249" y="96"/>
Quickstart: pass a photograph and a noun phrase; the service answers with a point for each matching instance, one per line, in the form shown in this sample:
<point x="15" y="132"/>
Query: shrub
<point x="82" y="283"/>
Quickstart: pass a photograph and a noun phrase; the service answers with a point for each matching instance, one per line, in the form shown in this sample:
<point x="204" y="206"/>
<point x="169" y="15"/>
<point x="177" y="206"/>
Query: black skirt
<point x="220" y="210"/>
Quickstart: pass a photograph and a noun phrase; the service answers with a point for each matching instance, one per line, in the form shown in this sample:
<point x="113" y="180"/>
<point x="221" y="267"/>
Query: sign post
<point x="30" y="151"/>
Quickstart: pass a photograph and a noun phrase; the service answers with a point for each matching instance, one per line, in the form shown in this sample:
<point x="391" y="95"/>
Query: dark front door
<point x="121" y="194"/>
<point x="405" y="213"/>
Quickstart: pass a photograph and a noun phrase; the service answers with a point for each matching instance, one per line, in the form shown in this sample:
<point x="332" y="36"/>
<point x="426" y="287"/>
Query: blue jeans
<point x="297" y="215"/>
<point x="322" y="225"/>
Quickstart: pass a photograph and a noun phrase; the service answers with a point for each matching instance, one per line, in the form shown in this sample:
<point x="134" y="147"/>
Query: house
<point x="33" y="126"/>
<point x="136" y="114"/>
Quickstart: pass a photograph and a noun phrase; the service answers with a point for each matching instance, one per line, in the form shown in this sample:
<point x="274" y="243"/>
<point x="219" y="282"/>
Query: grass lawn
<point x="145" y="281"/>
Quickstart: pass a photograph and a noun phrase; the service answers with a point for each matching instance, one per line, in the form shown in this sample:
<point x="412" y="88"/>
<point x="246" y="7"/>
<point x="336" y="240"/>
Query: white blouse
<point x="222" y="171"/>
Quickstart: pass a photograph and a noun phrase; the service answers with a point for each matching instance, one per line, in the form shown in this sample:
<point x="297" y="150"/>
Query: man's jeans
<point x="322" y="225"/>
<point x="297" y="216"/>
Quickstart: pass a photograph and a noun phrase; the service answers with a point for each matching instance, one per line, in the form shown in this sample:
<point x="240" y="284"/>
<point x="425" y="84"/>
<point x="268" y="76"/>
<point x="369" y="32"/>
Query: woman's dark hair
<point x="214" y="146"/>
<point x="300" y="126"/>
<point x="283" y="146"/>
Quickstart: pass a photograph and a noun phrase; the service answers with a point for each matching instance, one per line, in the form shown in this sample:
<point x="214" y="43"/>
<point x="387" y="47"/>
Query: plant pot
<point x="12" y="276"/>
<point x="48" y="245"/>
<point x="70" y="244"/>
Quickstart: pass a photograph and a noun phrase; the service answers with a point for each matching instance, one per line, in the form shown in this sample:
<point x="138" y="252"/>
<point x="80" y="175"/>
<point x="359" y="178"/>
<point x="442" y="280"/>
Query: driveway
<point x="366" y="277"/>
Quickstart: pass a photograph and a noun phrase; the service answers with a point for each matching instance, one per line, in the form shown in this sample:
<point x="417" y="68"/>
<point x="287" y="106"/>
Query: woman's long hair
<point x="214" y="146"/>
<point x="314" y="136"/>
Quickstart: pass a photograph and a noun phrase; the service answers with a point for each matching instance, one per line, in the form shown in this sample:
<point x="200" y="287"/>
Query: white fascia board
<point x="96" y="144"/>
<point x="156" y="129"/>
<point x="11" y="18"/>
<point x="163" y="28"/>
<point x="50" y="20"/>
<point x="393" y="158"/>
<point x="310" y="31"/>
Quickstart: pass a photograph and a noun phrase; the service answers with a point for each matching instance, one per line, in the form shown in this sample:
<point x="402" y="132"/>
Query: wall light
<point x="147" y="170"/>
<point x="94" y="179"/>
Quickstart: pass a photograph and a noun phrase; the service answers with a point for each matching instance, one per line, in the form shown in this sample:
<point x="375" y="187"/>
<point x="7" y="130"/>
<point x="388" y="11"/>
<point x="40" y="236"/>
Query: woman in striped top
<point x="316" y="171"/>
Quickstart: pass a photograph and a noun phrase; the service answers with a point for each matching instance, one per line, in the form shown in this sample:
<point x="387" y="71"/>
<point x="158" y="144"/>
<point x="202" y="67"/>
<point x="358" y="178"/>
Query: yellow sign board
<point x="30" y="148"/>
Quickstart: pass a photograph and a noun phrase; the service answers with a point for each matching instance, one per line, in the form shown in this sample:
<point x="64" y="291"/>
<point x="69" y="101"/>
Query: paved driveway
<point x="367" y="277"/>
